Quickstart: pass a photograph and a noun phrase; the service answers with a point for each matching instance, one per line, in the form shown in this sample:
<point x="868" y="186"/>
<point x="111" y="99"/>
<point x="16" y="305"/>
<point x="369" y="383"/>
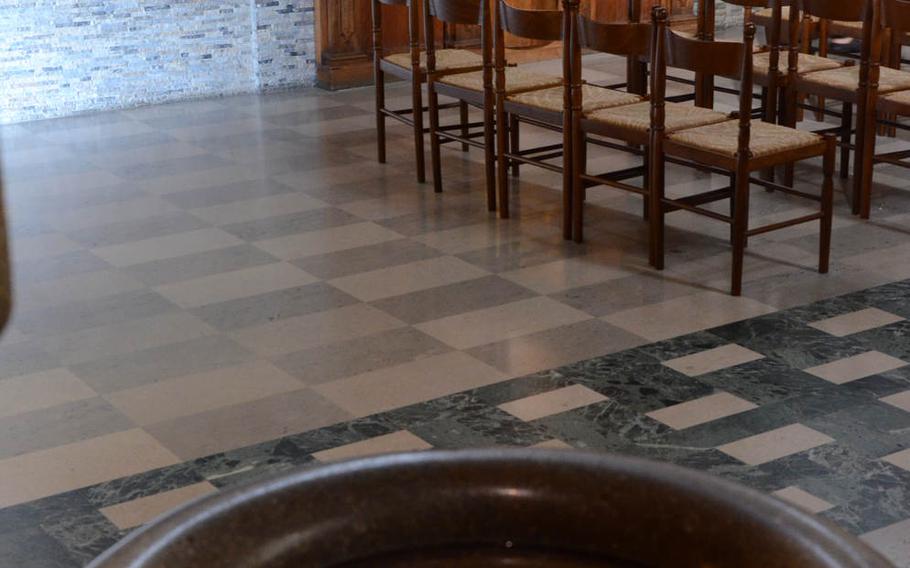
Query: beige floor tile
<point x="469" y="237"/>
<point x="241" y="425"/>
<point x="407" y="278"/>
<point x="204" y="179"/>
<point x="686" y="314"/>
<point x="409" y="383"/>
<point x="555" y="347"/>
<point x="255" y="209"/>
<point x="77" y="288"/>
<point x="41" y="390"/>
<point x="401" y="441"/>
<point x="327" y="240"/>
<point x="893" y="541"/>
<point x="560" y="275"/>
<point x="64" y="468"/>
<point x="39" y="247"/>
<point x="553" y="402"/>
<point x="140" y="511"/>
<point x="120" y="211"/>
<point x="802" y="499"/>
<point x="193" y="394"/>
<point x="235" y="284"/>
<point x="900" y="400"/>
<point x="901" y="459"/>
<point x="169" y="246"/>
<point x="701" y="410"/>
<point x="312" y="330"/>
<point x="856" y="367"/>
<point x="775" y="444"/>
<point x="105" y="341"/>
<point x="855" y="322"/>
<point x="713" y="360"/>
<point x="553" y="445"/>
<point x="489" y="325"/>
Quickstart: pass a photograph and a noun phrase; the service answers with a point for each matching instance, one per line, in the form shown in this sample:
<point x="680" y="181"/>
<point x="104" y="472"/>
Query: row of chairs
<point x="636" y="117"/>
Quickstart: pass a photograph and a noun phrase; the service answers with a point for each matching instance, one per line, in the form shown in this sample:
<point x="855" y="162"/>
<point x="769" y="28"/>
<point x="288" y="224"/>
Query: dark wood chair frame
<point x="633" y="41"/>
<point x="705" y="86"/>
<point x="542" y="25"/>
<point x="796" y="86"/>
<point x="873" y="111"/>
<point x="414" y="74"/>
<point x="470" y="12"/>
<point x="734" y="61"/>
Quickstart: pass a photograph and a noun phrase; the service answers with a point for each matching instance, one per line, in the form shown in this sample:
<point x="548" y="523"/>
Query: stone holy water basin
<point x="516" y="508"/>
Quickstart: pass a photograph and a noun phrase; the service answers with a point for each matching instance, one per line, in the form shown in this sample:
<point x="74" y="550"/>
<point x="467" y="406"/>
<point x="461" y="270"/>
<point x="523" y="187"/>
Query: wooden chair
<point x="409" y="66"/>
<point x="843" y="83"/>
<point x="737" y="147"/>
<point x="770" y="70"/>
<point x="470" y="88"/>
<point x="628" y="124"/>
<point x="877" y="107"/>
<point x="599" y="126"/>
<point x="547" y="107"/>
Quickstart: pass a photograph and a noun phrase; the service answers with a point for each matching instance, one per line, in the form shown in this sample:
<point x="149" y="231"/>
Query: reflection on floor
<point x="196" y="281"/>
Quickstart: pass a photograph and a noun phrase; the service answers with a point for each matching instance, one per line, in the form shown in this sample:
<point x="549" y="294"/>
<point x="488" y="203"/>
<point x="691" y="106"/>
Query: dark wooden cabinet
<point x="344" y="44"/>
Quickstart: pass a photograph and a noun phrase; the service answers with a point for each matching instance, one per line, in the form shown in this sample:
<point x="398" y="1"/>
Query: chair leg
<point x="740" y="226"/>
<point x="463" y="112"/>
<point x="435" y="157"/>
<point x="645" y="179"/>
<point x="846" y="131"/>
<point x="489" y="150"/>
<point x="789" y="115"/>
<point x="514" y="141"/>
<point x="827" y="208"/>
<point x="769" y="114"/>
<point x="380" y="117"/>
<point x="864" y="162"/>
<point x="732" y="208"/>
<point x="417" y="105"/>
<point x="579" y="167"/>
<point x="502" y="163"/>
<point x="656" y="203"/>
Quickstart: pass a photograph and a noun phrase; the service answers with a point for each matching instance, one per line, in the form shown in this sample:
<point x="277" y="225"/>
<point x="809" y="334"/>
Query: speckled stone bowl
<point x="517" y="508"/>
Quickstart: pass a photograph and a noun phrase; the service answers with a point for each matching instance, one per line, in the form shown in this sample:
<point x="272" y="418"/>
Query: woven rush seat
<point x="761" y="63"/>
<point x="446" y="59"/>
<point x="638" y="116"/>
<point x="516" y="80"/>
<point x="766" y="138"/>
<point x="847" y="78"/>
<point x="897" y="97"/>
<point x="593" y="98"/>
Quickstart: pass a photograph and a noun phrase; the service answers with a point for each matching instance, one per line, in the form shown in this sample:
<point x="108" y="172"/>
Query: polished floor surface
<point x="199" y="281"/>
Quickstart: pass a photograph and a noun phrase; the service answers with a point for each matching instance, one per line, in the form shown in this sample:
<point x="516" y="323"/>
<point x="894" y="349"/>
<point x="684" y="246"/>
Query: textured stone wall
<point x="61" y="57"/>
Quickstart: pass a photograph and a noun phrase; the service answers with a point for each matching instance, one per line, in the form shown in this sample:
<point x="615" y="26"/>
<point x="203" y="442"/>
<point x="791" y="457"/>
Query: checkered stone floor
<point x="811" y="404"/>
<point x="195" y="279"/>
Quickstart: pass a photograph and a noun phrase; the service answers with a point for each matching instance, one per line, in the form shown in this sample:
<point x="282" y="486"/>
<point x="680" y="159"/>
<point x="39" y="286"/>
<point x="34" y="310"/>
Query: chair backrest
<point x="720" y="58"/>
<point x="866" y="11"/>
<point x="465" y="12"/>
<point x="413" y="29"/>
<point x="842" y="10"/>
<point x="543" y="25"/>
<point x="728" y="59"/>
<point x="617" y="38"/>
<point x="896" y="15"/>
<point x="459" y="12"/>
